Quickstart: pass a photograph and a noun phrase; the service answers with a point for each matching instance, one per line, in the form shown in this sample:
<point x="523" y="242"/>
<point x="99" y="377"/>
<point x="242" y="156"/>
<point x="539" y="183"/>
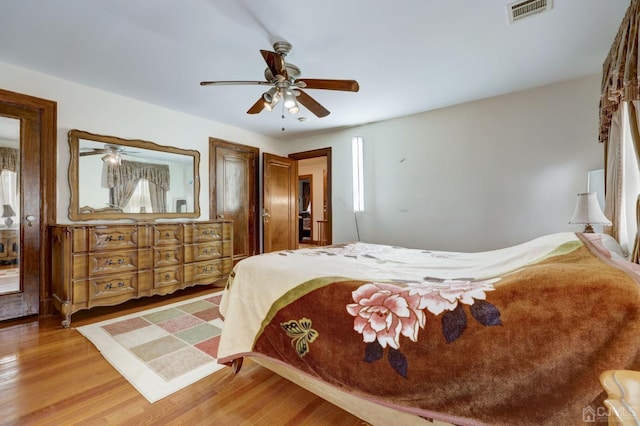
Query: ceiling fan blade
<point x="94" y="152"/>
<point x="275" y="62"/>
<point x="344" y="85"/>
<point x="226" y="83"/>
<point x="257" y="107"/>
<point x="312" y="105"/>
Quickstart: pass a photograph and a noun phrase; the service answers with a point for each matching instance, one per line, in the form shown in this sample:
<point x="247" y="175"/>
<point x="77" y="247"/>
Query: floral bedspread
<point x="512" y="336"/>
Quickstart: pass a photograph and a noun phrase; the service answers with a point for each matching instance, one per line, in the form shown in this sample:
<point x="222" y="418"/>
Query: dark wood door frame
<point x="47" y="112"/>
<point x="254" y="216"/>
<point x="321" y="152"/>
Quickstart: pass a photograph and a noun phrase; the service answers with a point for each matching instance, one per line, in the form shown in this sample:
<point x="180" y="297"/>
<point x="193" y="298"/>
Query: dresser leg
<point x="66" y="315"/>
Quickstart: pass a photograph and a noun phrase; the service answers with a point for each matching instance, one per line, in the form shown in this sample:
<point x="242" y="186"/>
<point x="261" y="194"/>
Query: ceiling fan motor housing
<point x="282" y="47"/>
<point x="293" y="71"/>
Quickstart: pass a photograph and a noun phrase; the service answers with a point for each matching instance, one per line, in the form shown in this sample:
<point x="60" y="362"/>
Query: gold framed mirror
<point x="115" y="178"/>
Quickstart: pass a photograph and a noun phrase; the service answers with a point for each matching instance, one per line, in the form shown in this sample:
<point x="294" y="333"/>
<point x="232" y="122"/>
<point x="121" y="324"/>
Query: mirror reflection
<point x="118" y="178"/>
<point x="9" y="204"/>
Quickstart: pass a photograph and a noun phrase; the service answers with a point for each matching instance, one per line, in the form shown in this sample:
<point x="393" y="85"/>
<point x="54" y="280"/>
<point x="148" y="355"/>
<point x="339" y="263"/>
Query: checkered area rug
<point x="162" y="350"/>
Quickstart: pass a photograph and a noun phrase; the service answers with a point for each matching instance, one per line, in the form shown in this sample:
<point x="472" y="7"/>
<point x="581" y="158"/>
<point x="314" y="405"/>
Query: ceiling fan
<point x="286" y="86"/>
<point x="112" y="153"/>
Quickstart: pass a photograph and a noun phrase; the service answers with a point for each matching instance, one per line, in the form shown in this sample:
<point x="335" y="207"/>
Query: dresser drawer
<point x="204" y="251"/>
<point x="110" y="238"/>
<point x="206" y="272"/>
<point x="167" y="235"/>
<point x="203" y="232"/>
<point x="109" y="262"/>
<point x="88" y="290"/>
<point x="163" y="277"/>
<point x="167" y="256"/>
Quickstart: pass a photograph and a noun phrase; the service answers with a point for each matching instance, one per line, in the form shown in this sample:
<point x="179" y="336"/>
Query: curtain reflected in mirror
<point x="10" y="205"/>
<point x="137" y="187"/>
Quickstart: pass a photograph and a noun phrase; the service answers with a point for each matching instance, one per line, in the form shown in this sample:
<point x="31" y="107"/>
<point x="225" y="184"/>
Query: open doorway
<point x="314" y="209"/>
<point x="305" y="208"/>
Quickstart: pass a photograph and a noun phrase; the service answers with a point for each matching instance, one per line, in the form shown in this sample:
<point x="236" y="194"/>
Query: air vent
<point x="522" y="9"/>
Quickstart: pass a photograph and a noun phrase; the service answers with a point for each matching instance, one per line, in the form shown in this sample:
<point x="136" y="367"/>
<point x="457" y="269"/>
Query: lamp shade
<point x="7" y="210"/>
<point x="588" y="211"/>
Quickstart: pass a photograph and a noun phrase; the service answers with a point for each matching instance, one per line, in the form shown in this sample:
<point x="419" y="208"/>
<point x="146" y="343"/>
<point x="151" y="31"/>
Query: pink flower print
<point x="438" y="297"/>
<point x="383" y="312"/>
<point x="432" y="300"/>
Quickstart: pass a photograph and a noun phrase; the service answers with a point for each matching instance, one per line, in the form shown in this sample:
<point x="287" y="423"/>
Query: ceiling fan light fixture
<point x="112" y="158"/>
<point x="289" y="98"/>
<point x="270" y="95"/>
<point x="294" y="109"/>
<point x="270" y="105"/>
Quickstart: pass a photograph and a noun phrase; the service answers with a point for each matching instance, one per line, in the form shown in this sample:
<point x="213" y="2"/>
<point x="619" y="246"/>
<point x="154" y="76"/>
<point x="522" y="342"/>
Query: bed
<point x="512" y="336"/>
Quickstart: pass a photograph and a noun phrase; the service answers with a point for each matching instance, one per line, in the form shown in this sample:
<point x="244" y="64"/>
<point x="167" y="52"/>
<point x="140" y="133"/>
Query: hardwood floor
<point x="54" y="376"/>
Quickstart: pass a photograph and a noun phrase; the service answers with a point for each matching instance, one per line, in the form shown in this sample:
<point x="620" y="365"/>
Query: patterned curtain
<point x="9" y="177"/>
<point x="620" y="131"/>
<point x="9" y="159"/>
<point x="122" y="193"/>
<point x="158" y="198"/>
<point x="124" y="177"/>
<point x="620" y="70"/>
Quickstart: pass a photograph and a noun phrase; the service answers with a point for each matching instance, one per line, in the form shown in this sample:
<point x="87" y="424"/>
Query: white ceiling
<point x="409" y="56"/>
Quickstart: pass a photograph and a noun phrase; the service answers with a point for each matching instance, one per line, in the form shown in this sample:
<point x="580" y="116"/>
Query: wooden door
<point x="27" y="251"/>
<point x="234" y="193"/>
<point x="280" y="210"/>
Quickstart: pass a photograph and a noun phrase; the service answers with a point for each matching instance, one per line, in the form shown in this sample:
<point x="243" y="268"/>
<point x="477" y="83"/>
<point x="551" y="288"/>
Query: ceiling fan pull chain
<point x="283" y="116"/>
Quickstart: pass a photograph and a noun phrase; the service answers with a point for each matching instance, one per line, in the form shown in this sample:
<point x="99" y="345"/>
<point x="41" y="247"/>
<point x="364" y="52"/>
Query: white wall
<point x="476" y="176"/>
<point x="96" y="111"/>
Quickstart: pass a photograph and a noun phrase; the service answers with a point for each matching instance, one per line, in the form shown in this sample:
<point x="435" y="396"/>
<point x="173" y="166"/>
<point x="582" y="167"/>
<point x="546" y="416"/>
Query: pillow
<point x="609" y="243"/>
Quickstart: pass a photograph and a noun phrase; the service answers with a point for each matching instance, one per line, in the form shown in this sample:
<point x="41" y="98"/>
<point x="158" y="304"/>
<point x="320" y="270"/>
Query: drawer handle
<point x="119" y="262"/>
<point x="167" y="277"/>
<point x="167" y="256"/>
<point x="110" y="238"/>
<point x="209" y="269"/>
<point x="210" y="233"/>
<point x="110" y="286"/>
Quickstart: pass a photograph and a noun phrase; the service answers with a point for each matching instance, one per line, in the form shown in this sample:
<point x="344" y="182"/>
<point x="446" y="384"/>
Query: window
<point x="358" y="175"/>
<point x="140" y="201"/>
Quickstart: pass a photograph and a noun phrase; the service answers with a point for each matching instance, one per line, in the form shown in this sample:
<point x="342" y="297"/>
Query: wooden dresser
<point x="108" y="264"/>
<point x="9" y="240"/>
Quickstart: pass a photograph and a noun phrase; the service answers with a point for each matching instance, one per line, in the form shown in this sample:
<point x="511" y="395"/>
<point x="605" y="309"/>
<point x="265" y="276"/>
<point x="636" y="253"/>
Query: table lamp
<point x="588" y="212"/>
<point x="8" y="213"/>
